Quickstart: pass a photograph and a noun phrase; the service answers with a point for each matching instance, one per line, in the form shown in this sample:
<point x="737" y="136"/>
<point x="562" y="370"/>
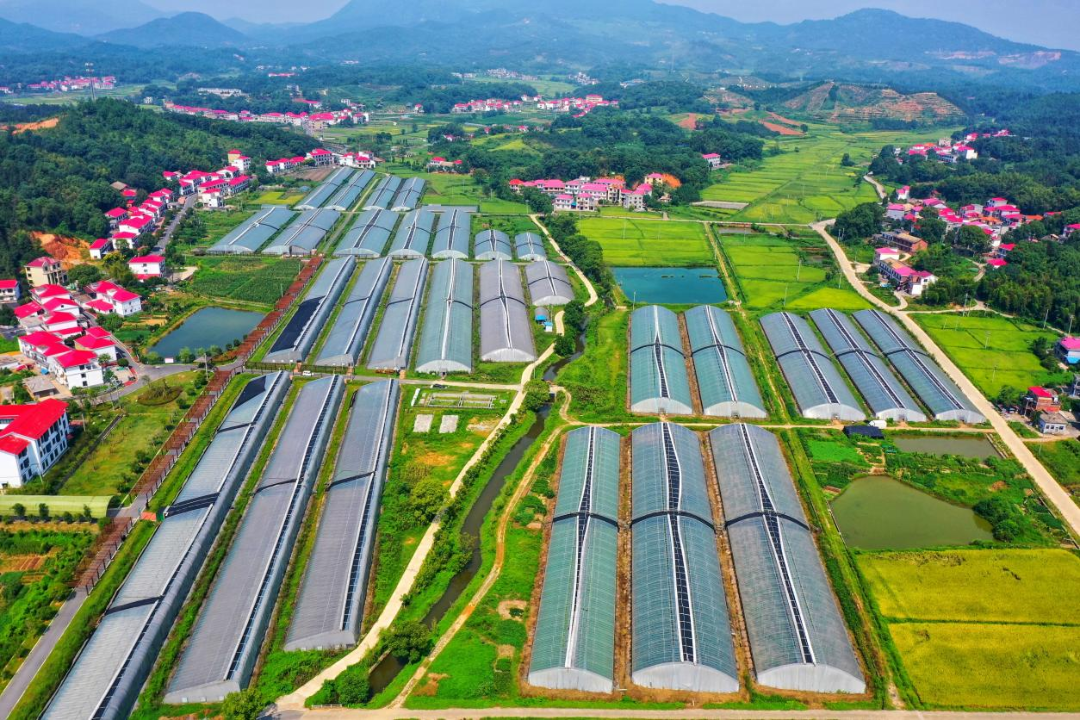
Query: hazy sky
<point x="1044" y="22"/>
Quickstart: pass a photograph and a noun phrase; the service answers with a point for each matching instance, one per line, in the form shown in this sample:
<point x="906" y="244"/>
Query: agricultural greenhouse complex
<point x="393" y="344"/>
<point x="493" y="245"/>
<point x="369" y="234"/>
<point x="413" y="235"/>
<point x="505" y="329"/>
<point x="253" y="233"/>
<point x="548" y="283"/>
<point x="303" y="328"/>
<point x="725" y="381"/>
<point x="658" y="377"/>
<point x="446" y="338"/>
<point x="352" y="326"/>
<point x="452" y="237"/>
<point x="304" y="235"/>
<point x="529" y="247"/>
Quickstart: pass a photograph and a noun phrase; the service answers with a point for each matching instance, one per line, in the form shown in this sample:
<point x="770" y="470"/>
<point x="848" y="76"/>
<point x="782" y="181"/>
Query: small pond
<point x="880" y="513"/>
<point x="978" y="448"/>
<point x="671" y="286"/>
<point x="206" y="328"/>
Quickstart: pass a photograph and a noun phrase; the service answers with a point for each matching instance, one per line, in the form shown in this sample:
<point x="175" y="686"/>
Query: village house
<point x="10" y="292"/>
<point x="32" y="439"/>
<point x="885" y="255"/>
<point x="714" y="160"/>
<point x="905" y="278"/>
<point x="1068" y="349"/>
<point x="109" y="297"/>
<point x="903" y="241"/>
<point x="1040" y="400"/>
<point x="1052" y="423"/>
<point x="147" y="266"/>
<point x="102" y="346"/>
<point x="77" y="369"/>
<point x="45" y="271"/>
<point x="437" y="164"/>
<point x="100" y="248"/>
<point x="321" y="157"/>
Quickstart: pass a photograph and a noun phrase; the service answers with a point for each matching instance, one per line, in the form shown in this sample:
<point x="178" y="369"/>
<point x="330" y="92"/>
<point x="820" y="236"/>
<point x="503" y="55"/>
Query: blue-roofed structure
<point x="350" y="191"/>
<point x="303" y="236"/>
<point x="452" y="237"/>
<point x="446" y="339"/>
<point x="393" y="344"/>
<point x="529" y="247"/>
<point x="493" y="245"/>
<point x="320" y="196"/>
<point x="253" y="233"/>
<point x="384" y="193"/>
<point x="658" y="378"/>
<point x="369" y="234"/>
<point x="413" y="235"/>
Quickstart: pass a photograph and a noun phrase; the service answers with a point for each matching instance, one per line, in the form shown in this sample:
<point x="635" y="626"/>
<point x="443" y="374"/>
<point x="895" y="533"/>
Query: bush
<point x="243" y="705"/>
<point x="537" y="394"/>
<point x="353" y="686"/>
<point x="409" y="641"/>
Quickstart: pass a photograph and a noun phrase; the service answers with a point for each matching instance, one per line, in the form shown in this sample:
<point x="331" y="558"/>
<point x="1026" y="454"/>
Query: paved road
<point x="41" y="650"/>
<point x="1054" y="492"/>
<point x="166" y="237"/>
<point x="878" y="187"/>
<point x="687" y="714"/>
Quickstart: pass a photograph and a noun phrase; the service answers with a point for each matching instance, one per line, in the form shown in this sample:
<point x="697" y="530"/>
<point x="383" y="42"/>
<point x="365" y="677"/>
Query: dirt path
<point x="878" y="187"/>
<point x="1054" y="492"/>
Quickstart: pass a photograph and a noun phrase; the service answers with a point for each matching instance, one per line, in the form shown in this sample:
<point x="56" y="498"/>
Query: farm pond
<point x="207" y="327"/>
<point x="671" y="286"/>
<point x="879" y="513"/>
<point x="978" y="448"/>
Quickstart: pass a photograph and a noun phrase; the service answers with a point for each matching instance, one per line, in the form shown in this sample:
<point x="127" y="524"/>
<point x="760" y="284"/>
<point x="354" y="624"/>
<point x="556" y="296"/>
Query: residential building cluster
<point x="313" y="120"/>
<point x="321" y="157"/>
<point x="949" y="151"/>
<point x="32" y="439"/>
<point x="579" y="106"/>
<point x="488" y="105"/>
<point x="73" y="84"/>
<point x="215" y="188"/>
<point x="585" y="194"/>
<point x="900" y="275"/>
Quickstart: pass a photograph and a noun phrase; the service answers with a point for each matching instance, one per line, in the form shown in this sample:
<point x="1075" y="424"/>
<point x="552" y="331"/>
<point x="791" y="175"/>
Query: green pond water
<point x="974" y="447"/>
<point x="880" y="513"/>
<point x="671" y="286"/>
<point x="206" y="328"/>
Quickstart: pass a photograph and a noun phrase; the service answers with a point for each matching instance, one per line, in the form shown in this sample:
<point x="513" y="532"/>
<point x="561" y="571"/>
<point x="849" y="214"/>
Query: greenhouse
<point x="350" y="191"/>
<point x="369" y="235"/>
<point x="725" y="381"/>
<point x="529" y="247"/>
<point x="506" y="333"/>
<point x="446" y="338"/>
<point x="304" y="235"/>
<point x="221" y="652"/>
<point x="330" y="604"/>
<point x="818" y="387"/>
<point x="798" y="639"/>
<point x="320" y="196"/>
<point x="658" y="378"/>
<point x="353" y="323"/>
<point x="548" y="284"/>
<point x="384" y="193"/>
<point x="574" y="641"/>
<point x="112" y="667"/>
<point x="408" y="195"/>
<point x="681" y="629"/>
<point x="493" y="245"/>
<point x="882" y="390"/>
<point x="926" y="378"/>
<point x="253" y="233"/>
<point x="413" y="235"/>
<point x="299" y="334"/>
<point x="393" y="344"/>
<point x="452" y="238"/>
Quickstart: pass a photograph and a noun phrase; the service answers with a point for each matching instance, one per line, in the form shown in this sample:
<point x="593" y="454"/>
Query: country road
<point x="1054" y="492"/>
<point x="685" y="714"/>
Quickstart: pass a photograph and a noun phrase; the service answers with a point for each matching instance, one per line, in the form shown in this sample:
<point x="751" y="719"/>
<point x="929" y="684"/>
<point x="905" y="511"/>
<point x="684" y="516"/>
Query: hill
<point x="84" y="17"/>
<point x="24" y="38"/>
<point x="190" y="29"/>
<point x="838" y="102"/>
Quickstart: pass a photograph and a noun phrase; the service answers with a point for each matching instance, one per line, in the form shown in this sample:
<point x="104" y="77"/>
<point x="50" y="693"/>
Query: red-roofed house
<point x="103" y="347"/>
<point x="30" y="310"/>
<point x="38" y="345"/>
<point x="100" y="248"/>
<point x="1039" y="399"/>
<point x="1068" y="349"/>
<point x="996" y="263"/>
<point x="147" y="266"/>
<point x="49" y="292"/>
<point x="77" y="369"/>
<point x="115" y="298"/>
<point x="61" y="322"/>
<point x="115" y="216"/>
<point x="32" y="439"/>
<point x="60" y="304"/>
<point x="45" y="271"/>
<point x="10" y="292"/>
<point x="714" y="160"/>
<point x="321" y="157"/>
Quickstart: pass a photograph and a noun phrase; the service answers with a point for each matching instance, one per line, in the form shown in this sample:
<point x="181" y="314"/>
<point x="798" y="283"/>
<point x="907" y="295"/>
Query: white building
<point x="77" y="369"/>
<point x="32" y="439"/>
<point x="9" y="292"/>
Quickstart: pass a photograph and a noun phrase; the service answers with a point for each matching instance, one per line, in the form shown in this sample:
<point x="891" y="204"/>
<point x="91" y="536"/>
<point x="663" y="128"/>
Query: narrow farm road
<point x="1054" y="492"/>
<point x="878" y="187"/>
<point x="593" y="297"/>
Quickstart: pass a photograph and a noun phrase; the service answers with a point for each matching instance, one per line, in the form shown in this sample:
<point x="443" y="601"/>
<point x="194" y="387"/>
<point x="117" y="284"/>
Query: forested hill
<point x="58" y="180"/>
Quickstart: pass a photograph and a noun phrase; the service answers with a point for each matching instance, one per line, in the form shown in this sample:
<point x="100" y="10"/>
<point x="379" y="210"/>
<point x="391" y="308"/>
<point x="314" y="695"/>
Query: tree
<point x="20" y="394"/>
<point x="242" y="705"/>
<point x="846" y="161"/>
<point x="353" y="686"/>
<point x="43" y="511"/>
<point x="409" y="641"/>
<point x="974" y="240"/>
<point x="537" y="201"/>
<point x="931" y="227"/>
<point x="82" y="275"/>
<point x="186" y="356"/>
<point x="565" y="345"/>
<point x="537" y="394"/>
<point x="19" y="509"/>
<point x="426" y="498"/>
<point x="859" y="223"/>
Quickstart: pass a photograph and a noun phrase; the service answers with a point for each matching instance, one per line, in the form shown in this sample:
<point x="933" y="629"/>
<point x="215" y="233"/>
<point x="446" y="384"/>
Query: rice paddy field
<point x="774" y="273"/>
<point x="806" y="181"/>
<point x="649" y="243"/>
<point x="994" y="351"/>
<point x="983" y="629"/>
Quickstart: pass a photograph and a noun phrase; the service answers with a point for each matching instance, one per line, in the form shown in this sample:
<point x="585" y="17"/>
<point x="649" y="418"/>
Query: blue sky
<point x="1051" y="23"/>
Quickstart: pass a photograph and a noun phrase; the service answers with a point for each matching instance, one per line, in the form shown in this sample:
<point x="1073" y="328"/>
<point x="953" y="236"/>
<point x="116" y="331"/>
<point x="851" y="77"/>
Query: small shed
<point x="868" y="431"/>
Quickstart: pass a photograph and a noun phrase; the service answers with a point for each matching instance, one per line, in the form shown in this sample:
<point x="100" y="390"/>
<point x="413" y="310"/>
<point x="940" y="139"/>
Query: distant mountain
<point x="190" y="29"/>
<point x="24" y="38"/>
<point x="85" y="17"/>
<point x="838" y="102"/>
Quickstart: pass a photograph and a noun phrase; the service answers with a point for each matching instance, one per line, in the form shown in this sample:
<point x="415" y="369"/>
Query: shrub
<point x="353" y="686"/>
<point x="243" y="705"/>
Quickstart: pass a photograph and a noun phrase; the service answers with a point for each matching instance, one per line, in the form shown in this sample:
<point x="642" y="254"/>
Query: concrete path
<point x="684" y="714"/>
<point x="1054" y="492"/>
<point x="878" y="187"/>
<point x="41" y="650"/>
<point x="166" y="237"/>
<point x="593" y="297"/>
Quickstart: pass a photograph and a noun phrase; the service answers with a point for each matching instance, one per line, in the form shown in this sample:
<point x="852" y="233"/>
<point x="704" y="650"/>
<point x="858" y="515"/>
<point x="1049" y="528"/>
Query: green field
<point x="994" y="351"/>
<point x="994" y="629"/>
<point x="58" y="504"/>
<point x="806" y="181"/>
<point x="1062" y="459"/>
<point x="277" y="197"/>
<point x="775" y="273"/>
<point x="452" y="189"/>
<point x="248" y="279"/>
<point x="649" y="243"/>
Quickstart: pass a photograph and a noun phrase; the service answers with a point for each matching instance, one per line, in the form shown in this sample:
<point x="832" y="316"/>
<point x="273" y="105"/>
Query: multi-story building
<point x="32" y="439"/>
<point x="45" y="271"/>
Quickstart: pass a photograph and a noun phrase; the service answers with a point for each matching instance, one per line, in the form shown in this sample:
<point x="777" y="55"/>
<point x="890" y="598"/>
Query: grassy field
<point x="806" y="181"/>
<point x="649" y="243"/>
<point x="775" y="273"/>
<point x="277" y="197"/>
<point x="58" y="504"/>
<point x="994" y="629"/>
<point x="248" y="279"/>
<point x="994" y="351"/>
<point x="451" y="189"/>
<point x="206" y="227"/>
<point x="1062" y="459"/>
<point x="597" y="380"/>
